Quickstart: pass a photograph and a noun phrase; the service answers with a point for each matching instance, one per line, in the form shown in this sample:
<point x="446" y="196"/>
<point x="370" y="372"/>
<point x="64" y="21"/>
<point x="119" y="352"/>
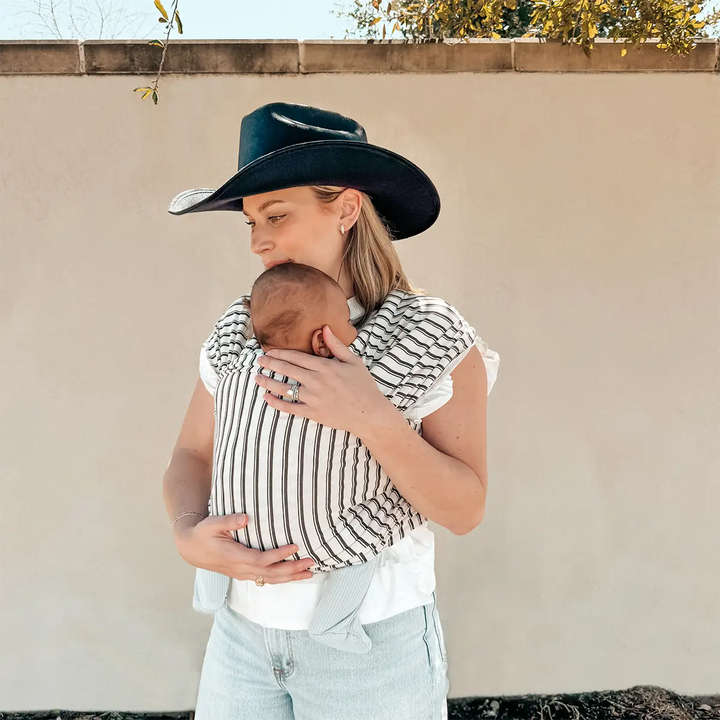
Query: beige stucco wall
<point x="580" y="235"/>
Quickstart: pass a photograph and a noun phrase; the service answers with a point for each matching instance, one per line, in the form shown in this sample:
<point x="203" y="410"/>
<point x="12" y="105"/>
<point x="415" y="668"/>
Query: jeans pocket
<point x="440" y="635"/>
<point x="443" y="649"/>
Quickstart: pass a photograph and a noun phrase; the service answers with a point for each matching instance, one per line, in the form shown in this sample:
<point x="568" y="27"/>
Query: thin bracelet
<point x="182" y="514"/>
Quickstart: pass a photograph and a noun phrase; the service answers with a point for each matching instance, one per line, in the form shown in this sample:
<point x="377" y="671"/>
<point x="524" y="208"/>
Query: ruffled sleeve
<point x="429" y="339"/>
<point x="492" y="362"/>
<point x="207" y="371"/>
<point x="442" y="391"/>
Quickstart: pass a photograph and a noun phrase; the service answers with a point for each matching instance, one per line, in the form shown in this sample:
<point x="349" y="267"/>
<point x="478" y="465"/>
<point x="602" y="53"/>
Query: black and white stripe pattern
<point x="308" y="484"/>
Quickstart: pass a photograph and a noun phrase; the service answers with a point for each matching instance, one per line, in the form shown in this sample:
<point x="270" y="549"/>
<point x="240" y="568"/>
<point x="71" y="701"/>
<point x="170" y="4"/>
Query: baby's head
<point x="289" y="305"/>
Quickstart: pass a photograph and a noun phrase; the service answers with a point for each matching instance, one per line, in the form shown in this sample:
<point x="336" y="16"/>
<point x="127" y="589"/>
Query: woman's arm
<point x="443" y="474"/>
<point x="187" y="479"/>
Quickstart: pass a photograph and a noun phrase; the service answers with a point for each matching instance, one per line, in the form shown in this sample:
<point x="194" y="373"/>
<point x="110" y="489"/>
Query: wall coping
<point x="190" y="57"/>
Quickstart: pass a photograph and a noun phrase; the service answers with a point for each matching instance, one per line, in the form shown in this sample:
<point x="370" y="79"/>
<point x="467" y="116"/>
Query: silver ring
<point x="293" y="393"/>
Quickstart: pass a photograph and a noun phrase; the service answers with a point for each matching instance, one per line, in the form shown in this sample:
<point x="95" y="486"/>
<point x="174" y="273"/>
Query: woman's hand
<point x="337" y="392"/>
<point x="209" y="544"/>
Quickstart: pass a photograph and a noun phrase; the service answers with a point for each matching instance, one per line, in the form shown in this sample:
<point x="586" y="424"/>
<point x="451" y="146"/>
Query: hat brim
<point x="401" y="192"/>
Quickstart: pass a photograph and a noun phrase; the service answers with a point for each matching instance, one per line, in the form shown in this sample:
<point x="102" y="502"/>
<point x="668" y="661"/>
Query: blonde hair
<point x="370" y="256"/>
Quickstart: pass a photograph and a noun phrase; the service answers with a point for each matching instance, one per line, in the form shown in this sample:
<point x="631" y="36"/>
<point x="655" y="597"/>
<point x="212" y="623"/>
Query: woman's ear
<point x="319" y="346"/>
<point x="350" y="209"/>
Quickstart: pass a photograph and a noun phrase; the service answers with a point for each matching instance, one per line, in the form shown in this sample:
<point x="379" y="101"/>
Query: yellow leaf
<point x="142" y="88"/>
<point x="162" y="10"/>
<point x="623" y="52"/>
<point x="496" y="36"/>
<point x="383" y="37"/>
<point x="147" y="92"/>
<point x="592" y="30"/>
<point x="695" y="9"/>
<point x="375" y="21"/>
<point x="179" y="22"/>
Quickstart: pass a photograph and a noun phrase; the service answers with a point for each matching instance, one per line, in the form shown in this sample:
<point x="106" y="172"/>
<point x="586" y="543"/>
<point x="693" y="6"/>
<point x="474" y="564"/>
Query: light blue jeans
<point x="251" y="672"/>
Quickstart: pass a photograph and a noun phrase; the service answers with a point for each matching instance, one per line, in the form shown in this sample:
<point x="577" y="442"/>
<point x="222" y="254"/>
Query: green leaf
<point x="155" y="97"/>
<point x="179" y="22"/>
<point x="159" y="43"/>
<point x="162" y="10"/>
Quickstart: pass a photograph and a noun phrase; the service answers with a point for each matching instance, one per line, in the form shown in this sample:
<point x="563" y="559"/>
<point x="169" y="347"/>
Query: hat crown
<point x="276" y="126"/>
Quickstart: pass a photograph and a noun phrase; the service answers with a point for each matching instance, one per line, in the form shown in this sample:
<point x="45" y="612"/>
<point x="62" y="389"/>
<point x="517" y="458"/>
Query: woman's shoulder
<point x="429" y="312"/>
<point x="231" y="333"/>
<point x="433" y="325"/>
<point x="238" y="310"/>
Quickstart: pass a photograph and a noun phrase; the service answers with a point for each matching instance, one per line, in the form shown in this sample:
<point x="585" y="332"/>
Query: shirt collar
<point x="356" y="309"/>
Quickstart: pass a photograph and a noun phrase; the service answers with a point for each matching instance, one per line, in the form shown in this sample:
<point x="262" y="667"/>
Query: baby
<point x="290" y="303"/>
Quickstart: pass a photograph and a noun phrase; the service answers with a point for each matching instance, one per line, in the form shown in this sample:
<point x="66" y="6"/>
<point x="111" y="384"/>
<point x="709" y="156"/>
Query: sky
<point x="209" y="19"/>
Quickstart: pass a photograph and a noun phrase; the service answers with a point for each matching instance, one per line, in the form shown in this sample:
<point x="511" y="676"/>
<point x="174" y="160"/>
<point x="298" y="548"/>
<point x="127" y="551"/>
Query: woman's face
<point x="293" y="225"/>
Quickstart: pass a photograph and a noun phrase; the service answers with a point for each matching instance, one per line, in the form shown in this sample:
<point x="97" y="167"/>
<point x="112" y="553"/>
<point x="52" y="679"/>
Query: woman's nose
<point x="259" y="241"/>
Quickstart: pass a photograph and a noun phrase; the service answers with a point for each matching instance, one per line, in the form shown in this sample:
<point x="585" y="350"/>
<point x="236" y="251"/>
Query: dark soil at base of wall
<point x="642" y="702"/>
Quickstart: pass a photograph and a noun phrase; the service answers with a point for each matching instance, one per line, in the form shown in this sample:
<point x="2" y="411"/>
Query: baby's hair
<point x="282" y="296"/>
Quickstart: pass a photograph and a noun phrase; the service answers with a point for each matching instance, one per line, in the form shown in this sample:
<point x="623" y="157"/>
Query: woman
<point x="314" y="191"/>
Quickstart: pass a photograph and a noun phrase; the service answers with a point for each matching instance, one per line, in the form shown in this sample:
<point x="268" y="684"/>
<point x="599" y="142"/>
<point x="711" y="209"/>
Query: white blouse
<point x="405" y="573"/>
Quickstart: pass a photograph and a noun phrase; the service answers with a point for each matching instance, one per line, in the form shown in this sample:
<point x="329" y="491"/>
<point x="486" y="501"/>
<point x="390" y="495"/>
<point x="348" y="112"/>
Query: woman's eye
<point x="272" y="218"/>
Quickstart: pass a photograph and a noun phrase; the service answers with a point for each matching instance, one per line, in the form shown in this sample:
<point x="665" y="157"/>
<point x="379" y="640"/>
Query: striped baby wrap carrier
<point x="304" y="483"/>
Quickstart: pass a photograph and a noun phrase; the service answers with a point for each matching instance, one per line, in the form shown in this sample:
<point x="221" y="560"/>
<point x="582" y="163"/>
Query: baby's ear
<point x="319" y="346"/>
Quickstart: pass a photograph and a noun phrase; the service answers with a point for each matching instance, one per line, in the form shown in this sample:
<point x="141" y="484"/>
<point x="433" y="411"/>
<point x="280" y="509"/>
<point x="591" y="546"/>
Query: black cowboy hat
<point x="285" y="145"/>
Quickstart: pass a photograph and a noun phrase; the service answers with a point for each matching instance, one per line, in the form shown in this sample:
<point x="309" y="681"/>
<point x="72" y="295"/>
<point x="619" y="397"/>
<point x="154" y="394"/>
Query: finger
<point x="276" y="555"/>
<point x="276" y="579"/>
<point x="339" y="349"/>
<point x="282" y="570"/>
<point x="290" y="369"/>
<point x="228" y="522"/>
<point x="287" y="406"/>
<point x="274" y="386"/>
